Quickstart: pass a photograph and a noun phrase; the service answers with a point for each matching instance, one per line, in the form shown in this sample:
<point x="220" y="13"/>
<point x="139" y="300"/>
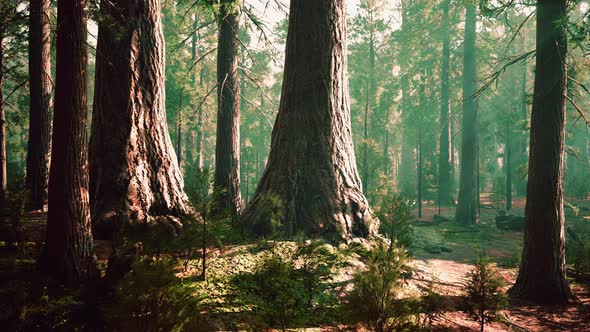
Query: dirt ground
<point x="447" y="267"/>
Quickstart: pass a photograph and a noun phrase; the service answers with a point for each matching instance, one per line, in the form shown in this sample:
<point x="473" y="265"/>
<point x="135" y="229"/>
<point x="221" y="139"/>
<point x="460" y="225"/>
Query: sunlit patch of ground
<point x="457" y="248"/>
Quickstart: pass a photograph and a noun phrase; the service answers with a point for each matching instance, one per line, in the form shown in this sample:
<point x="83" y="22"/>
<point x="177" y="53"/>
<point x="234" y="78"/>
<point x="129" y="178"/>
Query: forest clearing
<point x="294" y="165"/>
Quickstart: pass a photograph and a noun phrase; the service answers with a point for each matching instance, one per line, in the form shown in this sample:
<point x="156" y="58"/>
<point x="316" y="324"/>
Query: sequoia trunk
<point x="227" y="148"/>
<point x="467" y="208"/>
<point x="38" y="151"/>
<point x="542" y="272"/>
<point x="312" y="166"/>
<point x="69" y="254"/>
<point x="135" y="177"/>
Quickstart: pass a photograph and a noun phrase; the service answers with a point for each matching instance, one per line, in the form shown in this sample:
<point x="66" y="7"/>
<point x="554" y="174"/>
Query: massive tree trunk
<point x="542" y="272"/>
<point x="312" y="166"/>
<point x="68" y="255"/>
<point x="135" y="177"/>
<point x="444" y="168"/>
<point x="467" y="208"/>
<point x="38" y="151"/>
<point x="227" y="148"/>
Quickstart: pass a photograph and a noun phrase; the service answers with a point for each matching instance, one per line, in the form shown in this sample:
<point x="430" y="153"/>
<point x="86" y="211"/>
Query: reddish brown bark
<point x="68" y="254"/>
<point x="312" y="166"/>
<point x="542" y="274"/>
<point x="135" y="178"/>
<point x="38" y="151"/>
<point x="227" y="148"/>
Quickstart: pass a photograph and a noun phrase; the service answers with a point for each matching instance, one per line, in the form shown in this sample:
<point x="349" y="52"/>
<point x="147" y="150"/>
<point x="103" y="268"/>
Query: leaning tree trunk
<point x="69" y="254"/>
<point x="312" y="166"/>
<point x="135" y="178"/>
<point x="467" y="210"/>
<point x="444" y="168"/>
<point x="38" y="151"/>
<point x="542" y="272"/>
<point x="227" y="148"/>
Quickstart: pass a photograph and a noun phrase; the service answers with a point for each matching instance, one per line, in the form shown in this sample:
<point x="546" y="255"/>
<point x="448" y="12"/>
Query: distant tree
<point x="68" y="254"/>
<point x="227" y="148"/>
<point x="444" y="167"/>
<point x="38" y="152"/>
<point x="312" y="166"/>
<point x="467" y="211"/>
<point x="542" y="273"/>
<point x="135" y="177"/>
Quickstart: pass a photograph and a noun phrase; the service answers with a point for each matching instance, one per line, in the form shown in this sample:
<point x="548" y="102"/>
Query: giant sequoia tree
<point x="40" y="104"/>
<point x="467" y="206"/>
<point x="69" y="253"/>
<point x="135" y="178"/>
<point x="312" y="166"/>
<point x="227" y="148"/>
<point x="541" y="276"/>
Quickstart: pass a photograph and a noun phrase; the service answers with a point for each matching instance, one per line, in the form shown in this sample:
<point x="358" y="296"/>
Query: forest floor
<point x="443" y="251"/>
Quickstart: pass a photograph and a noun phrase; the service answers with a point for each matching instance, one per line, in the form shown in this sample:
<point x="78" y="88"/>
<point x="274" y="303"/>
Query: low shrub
<point x="394" y="212"/>
<point x="285" y="291"/>
<point x="375" y="298"/>
<point x="152" y="298"/>
<point x="484" y="298"/>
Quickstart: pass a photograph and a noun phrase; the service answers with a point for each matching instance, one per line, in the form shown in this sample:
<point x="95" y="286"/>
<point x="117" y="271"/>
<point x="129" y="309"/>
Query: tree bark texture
<point x="467" y="208"/>
<point x="542" y="274"/>
<point x="227" y="148"/>
<point x="38" y="151"/>
<point x="135" y="178"/>
<point x="312" y="166"/>
<point x="68" y="254"/>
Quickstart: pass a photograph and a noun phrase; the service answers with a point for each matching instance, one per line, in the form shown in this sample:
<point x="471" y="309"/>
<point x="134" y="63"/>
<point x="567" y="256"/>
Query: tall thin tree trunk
<point x="467" y="208"/>
<point x="420" y="185"/>
<point x="135" y="177"/>
<point x="508" y="166"/>
<point x="542" y="273"/>
<point x="3" y="179"/>
<point x="68" y="254"/>
<point x="444" y="169"/>
<point x="365" y="179"/>
<point x="522" y="183"/>
<point x="179" y="134"/>
<point x="312" y="166"/>
<point x="38" y="150"/>
<point x="406" y="175"/>
<point x="227" y="148"/>
<point x="200" y="130"/>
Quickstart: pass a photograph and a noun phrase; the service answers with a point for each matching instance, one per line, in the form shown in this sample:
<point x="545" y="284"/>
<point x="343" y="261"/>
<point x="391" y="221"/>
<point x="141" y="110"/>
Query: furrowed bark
<point x="542" y="273"/>
<point x="68" y="254"/>
<point x="38" y="151"/>
<point x="312" y="166"/>
<point x="135" y="178"/>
